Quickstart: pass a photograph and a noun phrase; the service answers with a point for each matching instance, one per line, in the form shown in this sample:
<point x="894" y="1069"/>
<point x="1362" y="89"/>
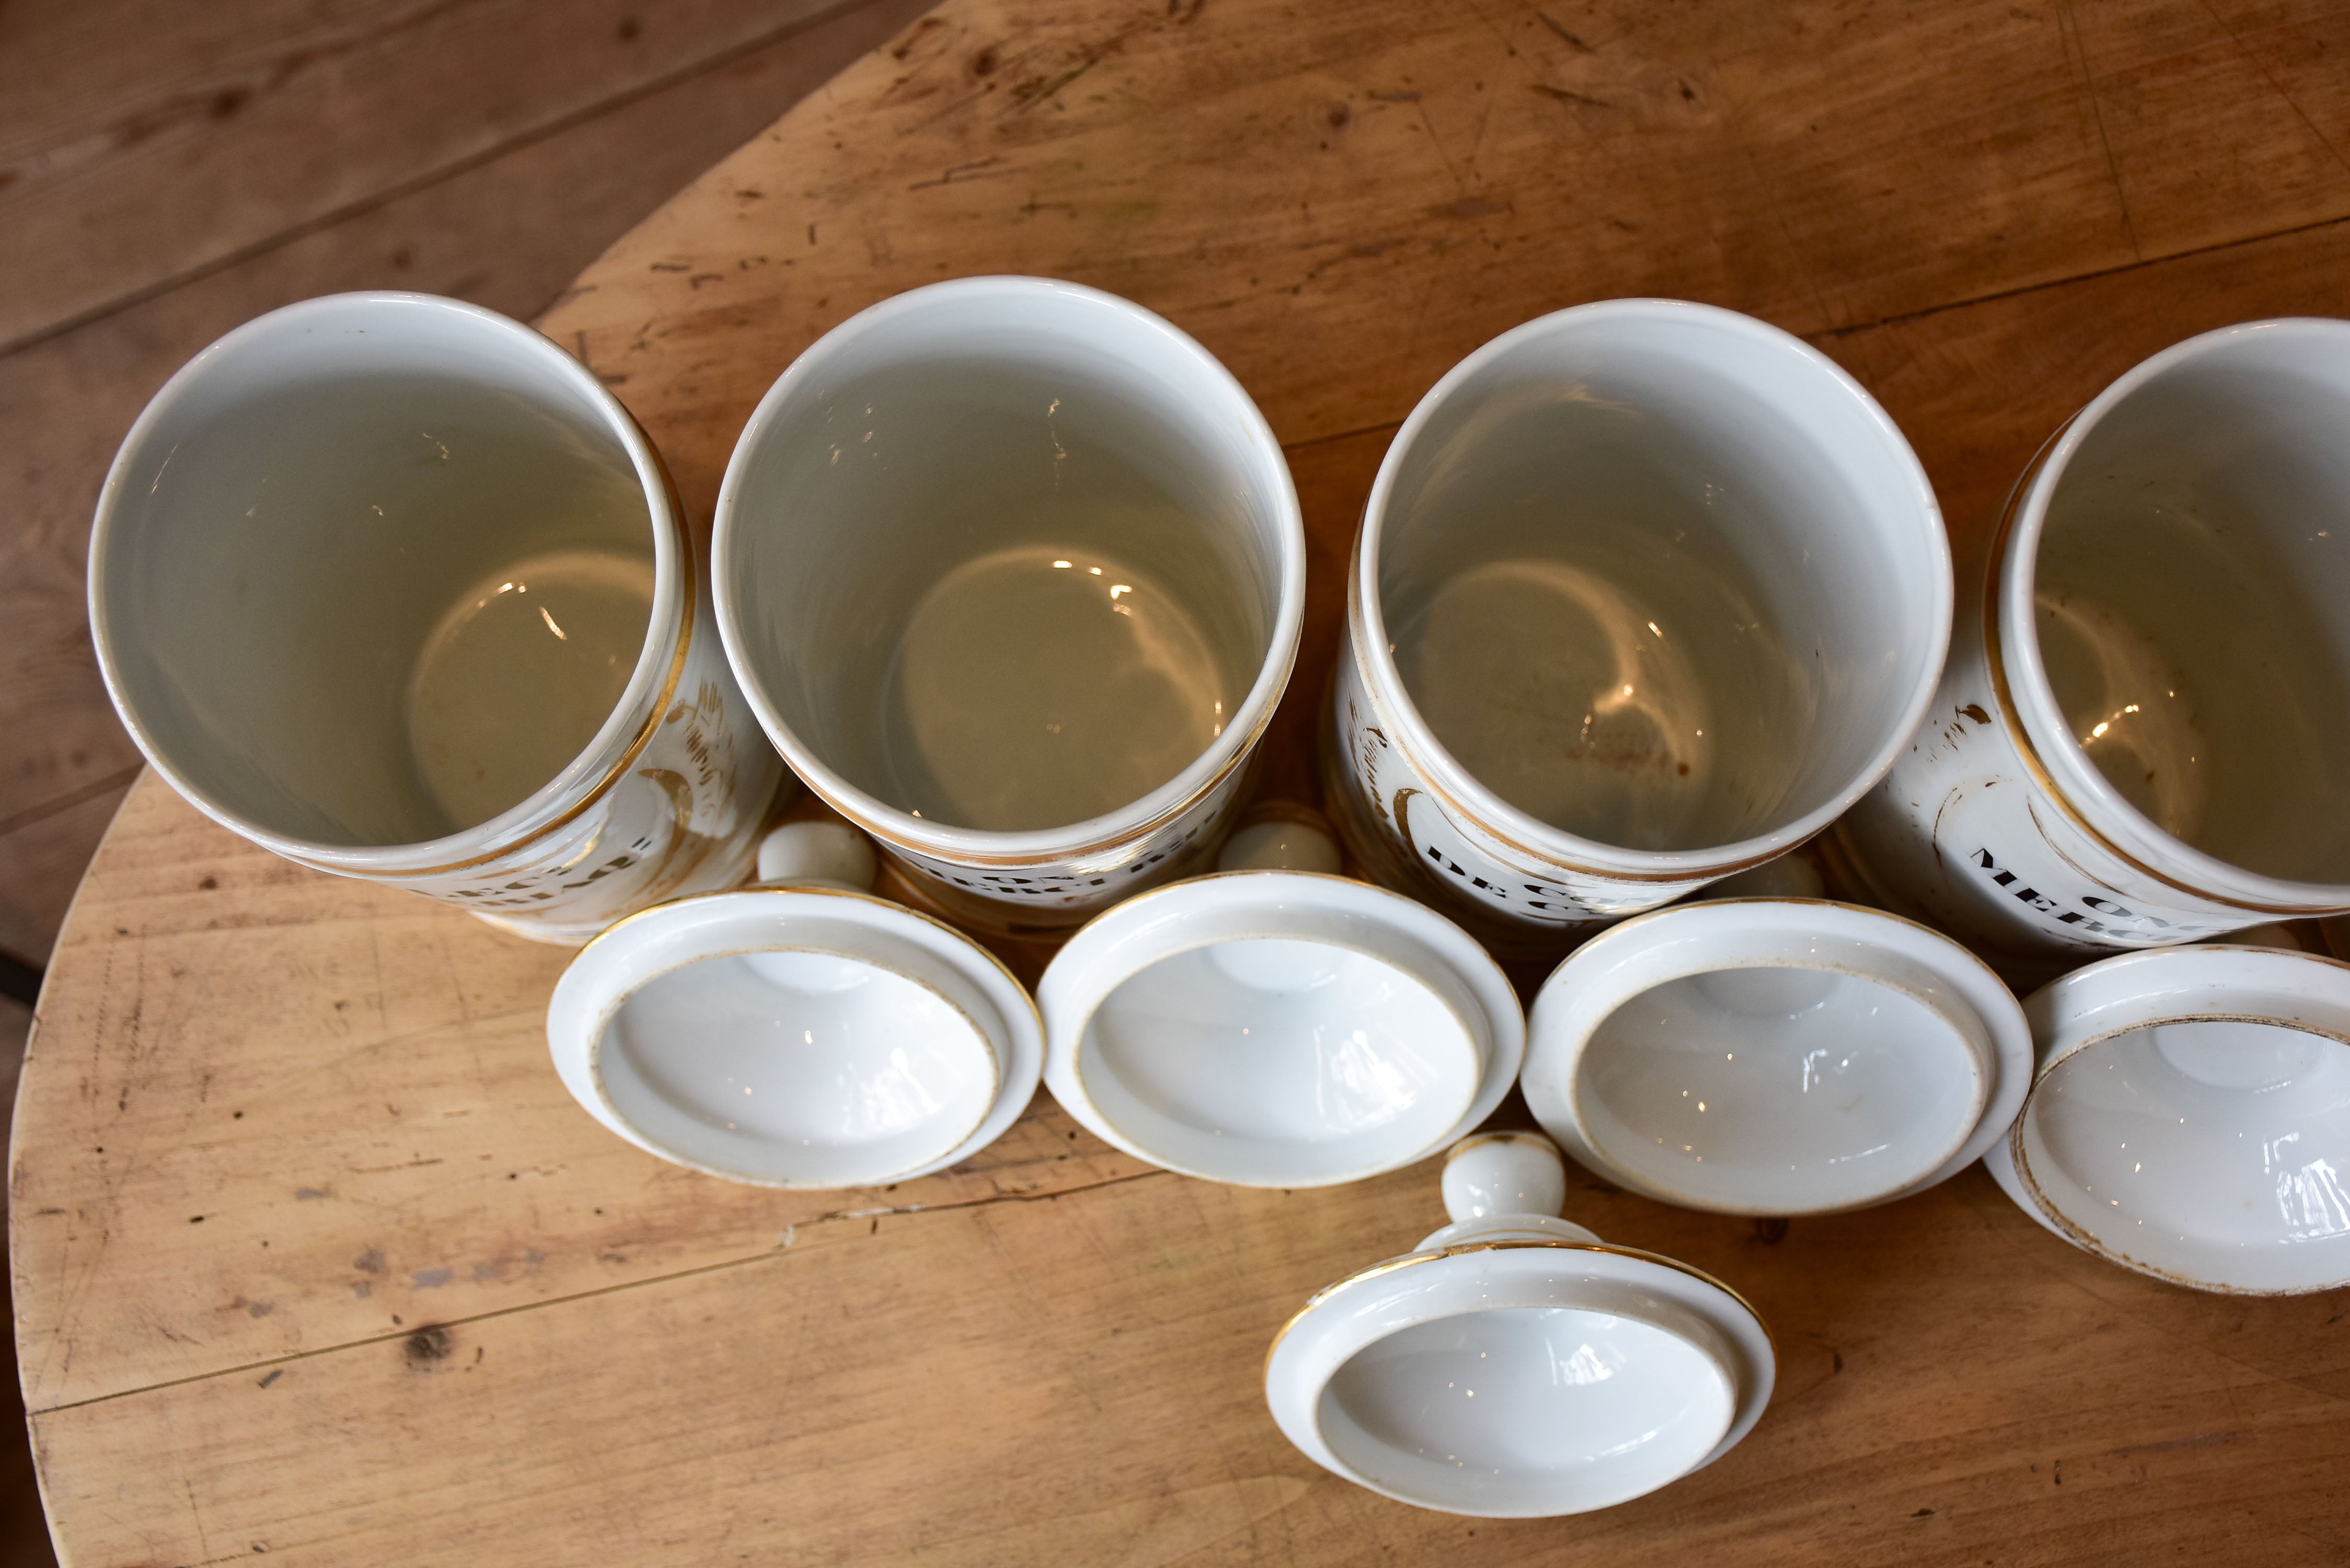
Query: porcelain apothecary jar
<point x="2140" y="736"/>
<point x="1514" y="1365"/>
<point x="802" y="1032"/>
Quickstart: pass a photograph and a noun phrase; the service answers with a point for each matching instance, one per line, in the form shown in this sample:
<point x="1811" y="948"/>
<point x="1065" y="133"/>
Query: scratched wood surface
<point x="313" y="1256"/>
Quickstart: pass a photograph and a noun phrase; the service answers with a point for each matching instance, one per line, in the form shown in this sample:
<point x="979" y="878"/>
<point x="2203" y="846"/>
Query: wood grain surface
<point x="313" y="1256"/>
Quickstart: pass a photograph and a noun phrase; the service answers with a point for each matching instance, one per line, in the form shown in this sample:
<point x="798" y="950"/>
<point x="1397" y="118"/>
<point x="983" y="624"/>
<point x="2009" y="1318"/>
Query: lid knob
<point x="1285" y="843"/>
<point x="1504" y="1173"/>
<point x="827" y="853"/>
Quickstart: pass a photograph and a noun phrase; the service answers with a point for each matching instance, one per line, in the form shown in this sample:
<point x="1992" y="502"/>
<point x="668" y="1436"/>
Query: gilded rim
<point x="1510" y="1134"/>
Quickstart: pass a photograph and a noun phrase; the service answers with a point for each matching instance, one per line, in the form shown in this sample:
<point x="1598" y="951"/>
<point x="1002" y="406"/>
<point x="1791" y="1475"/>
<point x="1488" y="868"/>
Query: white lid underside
<point x="800" y="1036"/>
<point x="2212" y="1152"/>
<point x="1278" y="1028"/>
<point x="1775" y="1055"/>
<point x="1779" y="1090"/>
<point x="1520" y="1378"/>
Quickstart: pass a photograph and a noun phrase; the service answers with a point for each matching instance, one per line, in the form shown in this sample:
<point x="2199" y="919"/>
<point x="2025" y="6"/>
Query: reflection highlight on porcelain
<point x="1622" y="685"/>
<point x="2123" y="702"/>
<point x="1044" y="684"/>
<point x="2198" y="1138"/>
<point x="520" y="674"/>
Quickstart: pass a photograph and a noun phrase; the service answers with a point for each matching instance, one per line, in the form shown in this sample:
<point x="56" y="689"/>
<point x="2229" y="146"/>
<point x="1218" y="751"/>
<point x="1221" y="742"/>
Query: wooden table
<point x="313" y="1257"/>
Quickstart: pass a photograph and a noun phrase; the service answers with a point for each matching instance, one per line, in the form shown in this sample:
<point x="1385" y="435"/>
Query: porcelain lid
<point x="796" y="1036"/>
<point x="1277" y="1028"/>
<point x="1516" y="1366"/>
<point x="2191" y="1119"/>
<point x="1774" y="1055"/>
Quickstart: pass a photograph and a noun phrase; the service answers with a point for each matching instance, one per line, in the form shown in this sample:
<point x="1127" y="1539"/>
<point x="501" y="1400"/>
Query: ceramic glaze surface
<point x="317" y="638"/>
<point x="2193" y="1146"/>
<point x="1012" y="572"/>
<point x="520" y="674"/>
<point x="2191" y="1118"/>
<point x="1622" y="684"/>
<point x="1775" y="1057"/>
<point x="1646" y="592"/>
<point x="1784" y="1083"/>
<point x="2191" y="604"/>
<point x="796" y="1036"/>
<point x="1039" y="686"/>
<point x="1339" y="1058"/>
<point x="769" y="1063"/>
<point x="1514" y="1366"/>
<point x="1278" y="1028"/>
<point x="1280" y="846"/>
<point x="827" y="853"/>
<point x="1528" y="1408"/>
<point x="1504" y="1173"/>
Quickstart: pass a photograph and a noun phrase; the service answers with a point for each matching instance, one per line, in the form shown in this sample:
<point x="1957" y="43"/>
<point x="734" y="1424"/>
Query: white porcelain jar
<point x="1013" y="571"/>
<point x="1647" y="593"/>
<point x="392" y="586"/>
<point x="2144" y="729"/>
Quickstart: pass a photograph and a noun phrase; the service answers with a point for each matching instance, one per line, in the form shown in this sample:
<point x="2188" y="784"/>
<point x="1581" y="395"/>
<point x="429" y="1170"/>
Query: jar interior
<point x="1657" y="584"/>
<point x="374" y="596"/>
<point x="2192" y="605"/>
<point x="1005" y="583"/>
